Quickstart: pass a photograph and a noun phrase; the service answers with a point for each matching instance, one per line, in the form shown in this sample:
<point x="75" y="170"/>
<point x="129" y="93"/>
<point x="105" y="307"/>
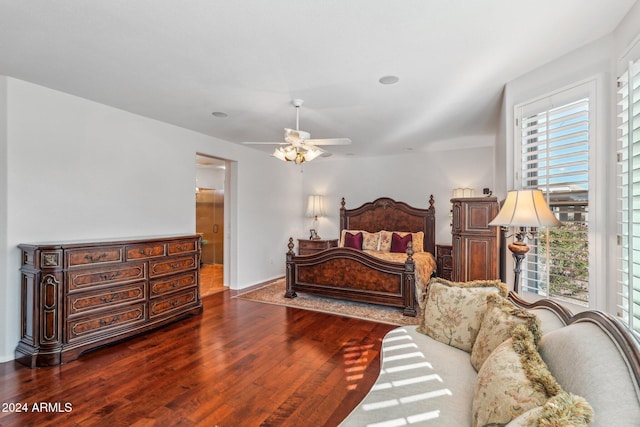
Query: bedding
<point x="425" y="265"/>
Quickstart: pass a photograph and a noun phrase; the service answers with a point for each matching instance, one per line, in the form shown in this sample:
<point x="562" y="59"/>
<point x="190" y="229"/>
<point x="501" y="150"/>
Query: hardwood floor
<point x="211" y="279"/>
<point x="241" y="363"/>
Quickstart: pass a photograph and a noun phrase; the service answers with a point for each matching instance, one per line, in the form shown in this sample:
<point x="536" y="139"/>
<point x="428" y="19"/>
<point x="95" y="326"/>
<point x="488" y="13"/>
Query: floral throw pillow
<point x="453" y="311"/>
<point x="498" y="322"/>
<point x="513" y="380"/>
<point x="565" y="409"/>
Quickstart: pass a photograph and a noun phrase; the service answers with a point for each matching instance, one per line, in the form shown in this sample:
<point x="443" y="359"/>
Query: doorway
<point x="210" y="221"/>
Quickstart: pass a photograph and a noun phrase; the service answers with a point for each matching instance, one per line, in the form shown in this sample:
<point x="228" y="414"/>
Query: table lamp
<point x="525" y="210"/>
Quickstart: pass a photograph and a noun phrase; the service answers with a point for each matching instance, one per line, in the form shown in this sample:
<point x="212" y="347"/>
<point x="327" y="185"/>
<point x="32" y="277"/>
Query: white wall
<point x="6" y="339"/>
<point x="408" y="177"/>
<point x="77" y="169"/>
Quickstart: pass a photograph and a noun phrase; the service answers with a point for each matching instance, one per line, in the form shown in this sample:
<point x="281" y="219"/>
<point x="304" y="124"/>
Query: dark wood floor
<point x="241" y="363"/>
<point x="211" y="279"/>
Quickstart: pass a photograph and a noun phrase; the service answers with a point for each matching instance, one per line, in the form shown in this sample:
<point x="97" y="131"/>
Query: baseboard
<point x="236" y="292"/>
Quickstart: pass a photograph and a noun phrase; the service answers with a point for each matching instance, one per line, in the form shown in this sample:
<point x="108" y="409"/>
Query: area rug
<point x="273" y="293"/>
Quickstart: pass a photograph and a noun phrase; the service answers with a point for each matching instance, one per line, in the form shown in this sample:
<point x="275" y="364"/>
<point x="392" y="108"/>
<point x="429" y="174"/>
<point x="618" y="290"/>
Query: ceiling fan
<point x="298" y="147"/>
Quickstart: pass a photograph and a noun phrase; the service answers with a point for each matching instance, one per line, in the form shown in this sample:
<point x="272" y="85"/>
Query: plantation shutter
<point x="629" y="196"/>
<point x="554" y="157"/>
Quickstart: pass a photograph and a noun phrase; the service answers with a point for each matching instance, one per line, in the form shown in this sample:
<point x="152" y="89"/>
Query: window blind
<point x="554" y="157"/>
<point x="629" y="196"/>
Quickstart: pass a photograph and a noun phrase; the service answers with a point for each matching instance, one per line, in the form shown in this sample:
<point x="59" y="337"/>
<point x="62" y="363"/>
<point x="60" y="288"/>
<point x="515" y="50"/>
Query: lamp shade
<point x="315" y="206"/>
<point x="525" y="208"/>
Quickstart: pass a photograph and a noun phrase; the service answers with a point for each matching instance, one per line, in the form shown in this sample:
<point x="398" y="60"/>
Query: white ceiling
<point x="179" y="61"/>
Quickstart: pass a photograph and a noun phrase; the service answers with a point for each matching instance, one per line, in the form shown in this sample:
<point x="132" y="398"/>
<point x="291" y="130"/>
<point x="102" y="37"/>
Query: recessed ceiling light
<point x="219" y="114"/>
<point x="389" y="80"/>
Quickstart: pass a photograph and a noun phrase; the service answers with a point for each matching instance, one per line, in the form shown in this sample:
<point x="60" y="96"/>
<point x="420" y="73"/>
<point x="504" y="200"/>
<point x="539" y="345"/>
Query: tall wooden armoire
<point x="476" y="245"/>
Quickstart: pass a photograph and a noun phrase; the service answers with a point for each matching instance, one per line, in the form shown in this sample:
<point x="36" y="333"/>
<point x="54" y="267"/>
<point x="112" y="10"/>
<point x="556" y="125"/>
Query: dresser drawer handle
<point x="173" y="303"/>
<point x="91" y="258"/>
<point x="175" y="265"/>
<point x="182" y="247"/>
<point x="109" y="298"/>
<point x="146" y="251"/>
<point x="174" y="284"/>
<point x="110" y="276"/>
<point x="104" y="322"/>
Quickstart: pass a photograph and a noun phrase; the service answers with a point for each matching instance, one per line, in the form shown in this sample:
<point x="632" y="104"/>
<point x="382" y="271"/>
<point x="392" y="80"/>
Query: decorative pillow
<point x="513" y="380"/>
<point x="370" y="241"/>
<point x="498" y="322"/>
<point x="453" y="311"/>
<point x="353" y="240"/>
<point x="416" y="238"/>
<point x="399" y="244"/>
<point x="563" y="410"/>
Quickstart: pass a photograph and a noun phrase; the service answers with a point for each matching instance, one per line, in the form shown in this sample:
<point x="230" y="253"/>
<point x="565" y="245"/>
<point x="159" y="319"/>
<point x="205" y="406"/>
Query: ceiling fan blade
<point x="263" y="143"/>
<point x="329" y="141"/>
<point x="291" y="135"/>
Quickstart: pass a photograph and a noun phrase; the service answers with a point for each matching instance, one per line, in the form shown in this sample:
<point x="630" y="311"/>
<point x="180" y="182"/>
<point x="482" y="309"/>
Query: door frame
<point x="229" y="245"/>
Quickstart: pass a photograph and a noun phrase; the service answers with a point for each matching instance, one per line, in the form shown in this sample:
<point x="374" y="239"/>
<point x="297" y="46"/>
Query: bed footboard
<point x="353" y="275"/>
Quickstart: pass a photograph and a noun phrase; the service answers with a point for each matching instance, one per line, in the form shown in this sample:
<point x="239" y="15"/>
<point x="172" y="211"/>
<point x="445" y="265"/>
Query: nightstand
<point x="308" y="247"/>
<point x="444" y="260"/>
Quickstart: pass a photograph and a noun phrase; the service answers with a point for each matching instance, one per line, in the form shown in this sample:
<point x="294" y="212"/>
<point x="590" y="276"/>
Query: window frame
<point x="593" y="88"/>
<point x="631" y="72"/>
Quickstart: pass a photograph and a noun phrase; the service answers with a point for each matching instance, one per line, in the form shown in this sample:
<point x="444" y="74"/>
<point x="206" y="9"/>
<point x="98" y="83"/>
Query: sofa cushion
<point x="453" y="311"/>
<point x="587" y="362"/>
<point x="565" y="409"/>
<point x="513" y="380"/>
<point x="498" y="321"/>
<point x="422" y="382"/>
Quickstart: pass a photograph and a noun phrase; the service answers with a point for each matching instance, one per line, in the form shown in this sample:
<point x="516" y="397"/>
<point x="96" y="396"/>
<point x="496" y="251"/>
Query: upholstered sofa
<point x="429" y="381"/>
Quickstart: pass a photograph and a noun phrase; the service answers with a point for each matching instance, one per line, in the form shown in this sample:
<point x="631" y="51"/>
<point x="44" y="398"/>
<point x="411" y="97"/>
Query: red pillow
<point x="353" y="240"/>
<point x="399" y="244"/>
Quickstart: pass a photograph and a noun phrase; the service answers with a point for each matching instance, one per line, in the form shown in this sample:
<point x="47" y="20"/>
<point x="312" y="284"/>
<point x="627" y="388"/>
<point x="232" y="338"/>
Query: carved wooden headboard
<point x="387" y="214"/>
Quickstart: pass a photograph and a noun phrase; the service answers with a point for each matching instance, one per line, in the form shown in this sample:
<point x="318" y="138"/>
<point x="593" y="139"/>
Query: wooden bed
<point x="355" y="275"/>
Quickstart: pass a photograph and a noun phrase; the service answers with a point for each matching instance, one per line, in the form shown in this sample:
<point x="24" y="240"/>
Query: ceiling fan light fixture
<point x="301" y="148"/>
<point x="290" y="153"/>
<point x="278" y="153"/>
<point x="311" y="154"/>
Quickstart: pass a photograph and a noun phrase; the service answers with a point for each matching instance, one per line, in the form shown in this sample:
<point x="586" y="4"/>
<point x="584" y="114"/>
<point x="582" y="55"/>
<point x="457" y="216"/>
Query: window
<point x="629" y="196"/>
<point x="553" y="137"/>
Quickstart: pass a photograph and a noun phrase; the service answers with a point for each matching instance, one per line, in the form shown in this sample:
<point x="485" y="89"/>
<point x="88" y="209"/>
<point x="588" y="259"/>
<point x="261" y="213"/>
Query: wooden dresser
<point x="81" y="295"/>
<point x="476" y="245"/>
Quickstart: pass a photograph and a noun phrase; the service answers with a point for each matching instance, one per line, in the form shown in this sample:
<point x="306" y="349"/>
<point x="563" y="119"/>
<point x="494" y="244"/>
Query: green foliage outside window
<point x="568" y="261"/>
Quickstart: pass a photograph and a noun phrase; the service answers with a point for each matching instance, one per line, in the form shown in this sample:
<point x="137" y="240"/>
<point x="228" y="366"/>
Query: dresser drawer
<point x="173" y="283"/>
<point x="85" y="302"/>
<point x="175" y="302"/>
<point x="308" y="247"/>
<point x="78" y="280"/>
<point x="144" y="251"/>
<point x="99" y="255"/>
<point x="88" y="326"/>
<point x="175" y="248"/>
<point x="172" y="265"/>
